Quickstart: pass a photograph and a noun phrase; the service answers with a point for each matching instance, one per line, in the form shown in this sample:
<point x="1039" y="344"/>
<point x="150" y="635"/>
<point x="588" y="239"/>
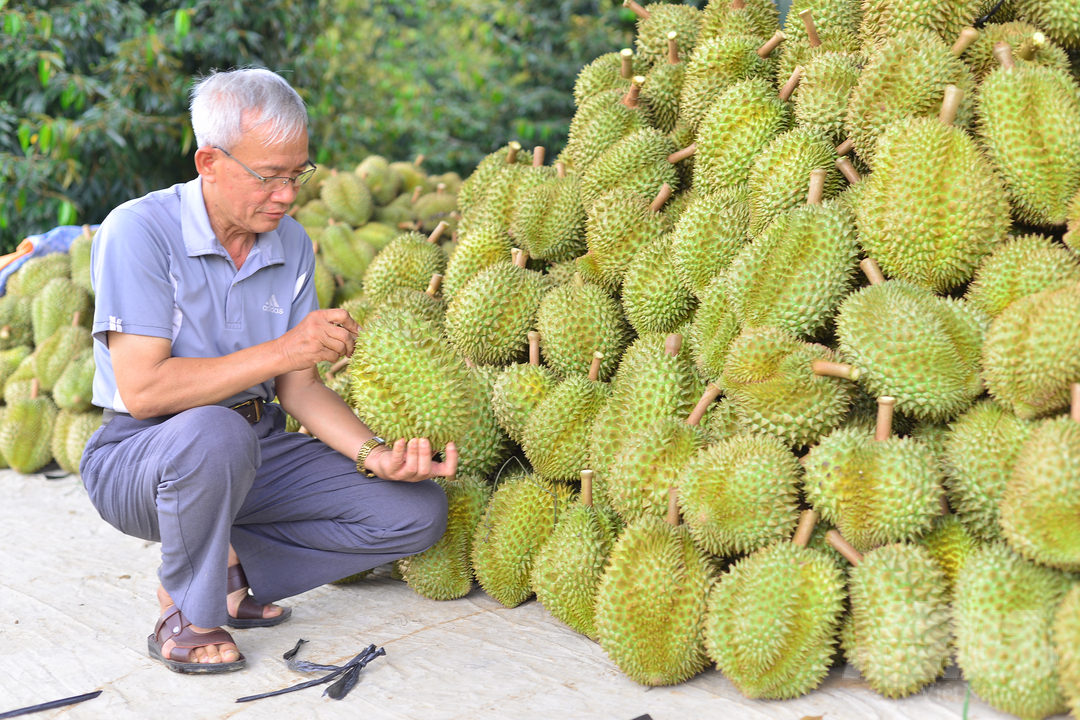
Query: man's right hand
<point x="322" y="335"/>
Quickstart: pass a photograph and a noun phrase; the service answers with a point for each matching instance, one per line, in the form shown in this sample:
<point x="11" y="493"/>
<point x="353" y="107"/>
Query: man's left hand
<point x="410" y="461"/>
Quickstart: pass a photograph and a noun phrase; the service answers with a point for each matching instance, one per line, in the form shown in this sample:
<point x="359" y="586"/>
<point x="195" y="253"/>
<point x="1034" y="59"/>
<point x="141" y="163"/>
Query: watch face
<point x="379" y="440"/>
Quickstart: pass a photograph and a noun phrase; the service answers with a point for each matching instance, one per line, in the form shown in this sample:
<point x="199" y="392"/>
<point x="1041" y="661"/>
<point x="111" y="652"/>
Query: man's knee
<point x="428" y="517"/>
<point x="217" y="437"/>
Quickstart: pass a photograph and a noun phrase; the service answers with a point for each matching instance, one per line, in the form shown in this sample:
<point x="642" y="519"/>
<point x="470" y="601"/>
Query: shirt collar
<point x="199" y="238"/>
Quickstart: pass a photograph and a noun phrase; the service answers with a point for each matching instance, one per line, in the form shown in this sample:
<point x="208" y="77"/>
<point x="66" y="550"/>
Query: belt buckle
<point x="253" y="401"/>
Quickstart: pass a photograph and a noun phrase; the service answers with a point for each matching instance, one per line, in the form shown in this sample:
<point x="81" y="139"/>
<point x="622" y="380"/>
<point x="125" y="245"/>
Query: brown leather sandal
<point x="172" y="625"/>
<point x="249" y="614"/>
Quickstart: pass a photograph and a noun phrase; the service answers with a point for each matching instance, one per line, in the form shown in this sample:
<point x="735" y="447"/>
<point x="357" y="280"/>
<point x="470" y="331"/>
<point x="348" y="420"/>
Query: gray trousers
<point x="296" y="511"/>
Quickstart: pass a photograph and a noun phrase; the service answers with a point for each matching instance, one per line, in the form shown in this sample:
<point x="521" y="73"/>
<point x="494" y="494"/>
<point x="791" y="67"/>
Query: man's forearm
<point x="325" y="415"/>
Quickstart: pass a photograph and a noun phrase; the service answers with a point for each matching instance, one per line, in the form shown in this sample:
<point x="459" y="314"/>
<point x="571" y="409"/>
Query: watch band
<point x="362" y="455"/>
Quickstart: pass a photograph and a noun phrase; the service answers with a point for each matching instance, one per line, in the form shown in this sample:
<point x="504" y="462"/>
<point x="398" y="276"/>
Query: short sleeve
<point x="133" y="288"/>
<point x="305" y="299"/>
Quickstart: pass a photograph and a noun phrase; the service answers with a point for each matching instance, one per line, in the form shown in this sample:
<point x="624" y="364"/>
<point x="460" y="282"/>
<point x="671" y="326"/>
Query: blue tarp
<point x="56" y="240"/>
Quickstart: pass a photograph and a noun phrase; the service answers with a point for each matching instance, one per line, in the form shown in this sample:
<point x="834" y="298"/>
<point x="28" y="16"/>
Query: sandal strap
<point x="172" y="625"/>
<point x="248" y="609"/>
<point x="235" y="579"/>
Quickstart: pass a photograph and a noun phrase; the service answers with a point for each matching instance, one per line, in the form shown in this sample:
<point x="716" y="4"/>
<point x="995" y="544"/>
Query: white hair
<point x="225" y="105"/>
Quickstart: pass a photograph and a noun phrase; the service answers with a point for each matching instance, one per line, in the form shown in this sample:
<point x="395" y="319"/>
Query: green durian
<point x="408" y="261"/>
<point x="26" y="432"/>
<point x="662" y="87"/>
<point x="653" y="297"/>
<point x="343" y="254"/>
<point x="610" y="71"/>
<point x="660" y="19"/>
<point x="422" y="304"/>
<point x="325" y="285"/>
<point x="487" y="175"/>
<point x="1030" y="43"/>
<point x="411" y="173"/>
<point x="637" y="164"/>
<point x="309" y="191"/>
<point x="603" y="120"/>
<point x="484" y="245"/>
<point x="577" y="319"/>
<point x="950" y="544"/>
<point x="779" y="179"/>
<point x="757" y="17"/>
<point x="1058" y="18"/>
<point x="1020" y="267"/>
<point x="549" y="218"/>
<point x="58" y="441"/>
<point x="36" y="272"/>
<point x="436" y="207"/>
<point x="75" y="387"/>
<point x="11" y="359"/>
<point x="617" y="227"/>
<point x="1066" y="631"/>
<point x="347" y="197"/>
<point x="16" y="321"/>
<point x="519" y="389"/>
<point x="380" y="178"/>
<point x="79" y="431"/>
<point x="375" y="234"/>
<point x="53" y="307"/>
<point x="313" y="215"/>
<point x="714" y="327"/>
<point x="79" y="255"/>
<point x="708" y="234"/>
<point x="483" y="445"/>
<point x="821" y="100"/>
<point x="885" y="19"/>
<point x="19" y="383"/>
<point x="53" y="356"/>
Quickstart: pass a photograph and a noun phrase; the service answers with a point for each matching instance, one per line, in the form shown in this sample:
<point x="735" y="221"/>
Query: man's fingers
<point x="450" y="461"/>
<point x="397" y="457"/>
<point x="423" y="457"/>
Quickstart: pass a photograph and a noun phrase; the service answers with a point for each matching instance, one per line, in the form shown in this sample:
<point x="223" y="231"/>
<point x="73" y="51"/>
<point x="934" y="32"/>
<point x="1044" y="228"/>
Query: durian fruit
<point x="53" y="306"/>
<point x="795" y="274"/>
<point x="444" y="571"/>
<point x="826" y="18"/>
<point x="933" y="208"/>
<point x="408" y="261"/>
<point x="806" y="41"/>
<point x="437" y="207"/>
<point x="950" y="544"/>
<point x="325" y="283"/>
<point x="309" y="192"/>
<point x="1029" y="358"/>
<point x="494" y="200"/>
<point x="779" y="179"/>
<point x="738" y="124"/>
<point x="1057" y="17"/>
<point x="74" y="389"/>
<point x="519" y="389"/>
<point x="412" y="174"/>
<point x="981" y="449"/>
<point x="422" y="304"/>
<point x="650" y="605"/>
<point x="1020" y="267"/>
<point x="905" y="77"/>
<point x="740" y="494"/>
<point x="313" y="215"/>
<point x="884" y="19"/>
<point x="714" y="328"/>
<point x="19" y="383"/>
<point x="401" y="212"/>
<point x="488" y="177"/>
<point x="549" y="218"/>
<point x="1042" y="497"/>
<point x="792" y="390"/>
<point x="708" y="234"/>
<point x="739" y="17"/>
<point x="662" y="87"/>
<point x="79" y="255"/>
<point x="567" y="570"/>
<point x="1067" y="645"/>
<point x="407" y="382"/>
<point x="11" y="359"/>
<point x="611" y="71"/>
<point x="821" y="99"/>
<point x="1071" y="237"/>
<point x="1029" y="123"/>
<point x="347" y="197"/>
<point x="653" y="297"/>
<point x="77" y="431"/>
<point x="556" y="433"/>
<point x="342" y="253"/>
<point x="620" y="224"/>
<point x="921" y="349"/>
<point x="54" y="354"/>
<point x="1030" y="43"/>
<point x="488" y="332"/>
<point x="383" y="182"/>
<point x="1003" y="615"/>
<point x="898" y="631"/>
<point x="26" y="431"/>
<point x="875" y="489"/>
<point x="481" y="247"/>
<point x="602" y="121"/>
<point x="637" y="164"/>
<point x="773" y="618"/>
<point x="36" y="272"/>
<point x="375" y="234"/>
<point x="519" y="519"/>
<point x="58" y="441"/>
<point x="482" y="446"/>
<point x="577" y="319"/>
<point x="16" y="320"/>
<point x="655" y="22"/>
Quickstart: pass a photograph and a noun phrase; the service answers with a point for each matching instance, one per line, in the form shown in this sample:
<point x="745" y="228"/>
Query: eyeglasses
<point x="282" y="179"/>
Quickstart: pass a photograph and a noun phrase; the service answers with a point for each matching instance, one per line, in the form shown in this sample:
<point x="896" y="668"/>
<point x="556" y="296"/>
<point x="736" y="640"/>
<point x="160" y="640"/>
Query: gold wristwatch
<point x="365" y="450"/>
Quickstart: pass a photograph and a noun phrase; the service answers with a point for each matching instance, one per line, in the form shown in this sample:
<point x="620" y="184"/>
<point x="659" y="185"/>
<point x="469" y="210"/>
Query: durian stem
<point x="843" y="547"/>
<point x="408" y="226"/>
<point x="711" y="393"/>
<point x="774" y="42"/>
<point x="75" y="318"/>
<point x="627" y="69"/>
<point x="816" y="192"/>
<point x="586" y="487"/>
<point x="1003" y="53"/>
<point x="560" y="169"/>
<point x="672" y="507"/>
<point x="630" y="99"/>
<point x="35" y="388"/>
<point x="673" y="344"/>
<point x="807" y="18"/>
<point x="738" y="4"/>
<point x="594" y="369"/>
<point x="828" y="368"/>
<point x="419" y="160"/>
<point x="950" y="104"/>
<point x="807" y="521"/>
<point x="638" y="10"/>
<point x="845" y="147"/>
<point x="416" y="194"/>
<point x="534" y="347"/>
<point x="673" y="48"/>
<point x="440" y="188"/>
<point x="338" y="366"/>
<point x="1075" y="409"/>
<point x="1038" y="42"/>
<point x="512" y="153"/>
<point x="438" y="231"/>
<point x="434" y="285"/>
<point x="86" y="232"/>
<point x="793" y="82"/>
<point x="5" y="332"/>
<point x="872" y="271"/>
<point x="944" y="500"/>
<point x="681" y="155"/>
<point x="339" y="281"/>
<point x="521" y="257"/>
<point x="964" y="40"/>
<point x="885" y="407"/>
<point x="661" y="197"/>
<point x="538" y="156"/>
<point x="847" y="169"/>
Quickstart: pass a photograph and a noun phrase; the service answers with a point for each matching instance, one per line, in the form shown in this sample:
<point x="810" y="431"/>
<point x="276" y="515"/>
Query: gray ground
<point x="77" y="602"/>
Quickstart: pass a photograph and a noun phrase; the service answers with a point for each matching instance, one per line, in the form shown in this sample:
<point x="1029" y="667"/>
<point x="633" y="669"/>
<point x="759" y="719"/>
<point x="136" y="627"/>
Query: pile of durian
<point x="816" y="278"/>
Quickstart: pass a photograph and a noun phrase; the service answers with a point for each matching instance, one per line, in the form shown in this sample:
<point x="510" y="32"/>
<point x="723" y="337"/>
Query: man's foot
<point x="243" y="611"/>
<point x="187" y="648"/>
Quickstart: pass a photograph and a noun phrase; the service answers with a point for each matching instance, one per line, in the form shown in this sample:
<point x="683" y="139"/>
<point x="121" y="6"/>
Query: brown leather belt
<point x="251" y="410"/>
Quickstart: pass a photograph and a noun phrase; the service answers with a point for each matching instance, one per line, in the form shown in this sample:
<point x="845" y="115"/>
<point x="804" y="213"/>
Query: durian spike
<point x="1026" y="51"/>
<point x="438" y="232"/>
<point x="807" y="18"/>
<point x="338" y="366"/>
<point x="738" y="4"/>
<point x="560" y="169"/>
<point x="416" y="194"/>
<point x="872" y="271"/>
<point x="828" y="368"/>
<point x="950" y="105"/>
<point x="627" y="69"/>
<point x="511" y="154"/>
<point x="793" y="82"/>
<point x="1003" y="53"/>
<point x="1075" y="409"/>
<point x="845" y="147"/>
<point x="419" y="160"/>
<point x="440" y="188"/>
<point x="594" y="369"/>
<point x="816" y="193"/>
<point x="848" y="170"/>
<point x="963" y="41"/>
<point x="630" y="99"/>
<point x="885" y="407"/>
<point x="434" y="285"/>
<point x="774" y="42"/>
<point x="807" y="521"/>
<point x="538" y="156"/>
<point x="75" y="318"/>
<point x="35" y="388"/>
<point x="534" y="347"/>
<point x="680" y="155"/>
<point x="586" y="487"/>
<point x="521" y="257"/>
<point x="638" y="10"/>
<point x="86" y="232"/>
<point x="711" y="393"/>
<point x="673" y="344"/>
<point x="672" y="507"/>
<point x="661" y="197"/>
<point x="843" y="547"/>
<point x="673" y="48"/>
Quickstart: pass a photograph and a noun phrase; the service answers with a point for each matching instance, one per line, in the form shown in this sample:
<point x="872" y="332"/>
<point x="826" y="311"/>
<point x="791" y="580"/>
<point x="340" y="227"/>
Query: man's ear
<point x="206" y="163"/>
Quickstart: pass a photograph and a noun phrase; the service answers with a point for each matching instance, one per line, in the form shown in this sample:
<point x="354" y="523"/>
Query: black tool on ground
<point x="50" y="705"/>
<point x="347" y="675"/>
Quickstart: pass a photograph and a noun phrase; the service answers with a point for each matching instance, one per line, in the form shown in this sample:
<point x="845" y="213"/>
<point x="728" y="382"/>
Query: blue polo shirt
<point x="159" y="270"/>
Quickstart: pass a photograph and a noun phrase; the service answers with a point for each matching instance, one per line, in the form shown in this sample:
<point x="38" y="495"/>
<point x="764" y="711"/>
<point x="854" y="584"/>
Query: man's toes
<point x="229" y="653"/>
<point x="270" y="611"/>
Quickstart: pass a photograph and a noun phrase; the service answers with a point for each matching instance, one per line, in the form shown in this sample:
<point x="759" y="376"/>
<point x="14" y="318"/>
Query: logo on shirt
<point x="272" y="306"/>
<point x="116" y="324"/>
